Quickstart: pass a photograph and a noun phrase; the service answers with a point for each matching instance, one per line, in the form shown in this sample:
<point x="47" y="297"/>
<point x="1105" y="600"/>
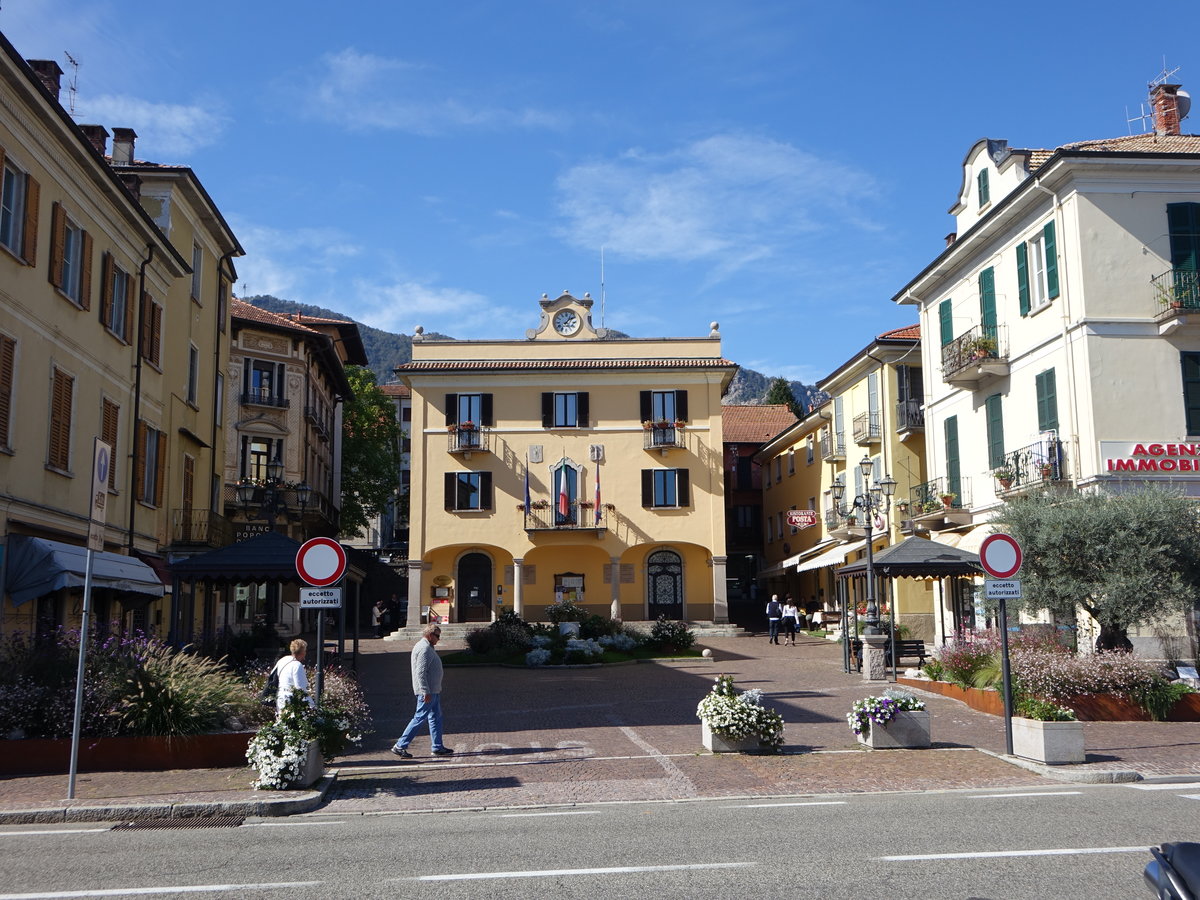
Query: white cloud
<point x="164" y="129"/>
<point x="728" y="200"/>
<point x="367" y="92"/>
<point x="303" y="265"/>
<point x="402" y="305"/>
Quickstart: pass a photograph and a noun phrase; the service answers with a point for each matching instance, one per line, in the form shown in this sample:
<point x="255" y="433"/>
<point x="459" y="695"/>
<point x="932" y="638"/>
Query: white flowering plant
<point x="537" y="657"/>
<point x="880" y="710"/>
<point x="740" y="717"/>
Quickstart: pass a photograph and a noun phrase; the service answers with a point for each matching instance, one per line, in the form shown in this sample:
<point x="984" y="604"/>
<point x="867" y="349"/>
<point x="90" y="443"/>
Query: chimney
<point x="133" y="184"/>
<point x="1164" y="103"/>
<point x="98" y="135"/>
<point x="49" y="72"/>
<point x="123" y="139"/>
<point x="951" y="238"/>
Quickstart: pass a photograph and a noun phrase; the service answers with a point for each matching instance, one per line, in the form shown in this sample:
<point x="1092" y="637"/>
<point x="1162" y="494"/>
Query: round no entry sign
<point x="321" y="561"/>
<point x="1000" y="555"/>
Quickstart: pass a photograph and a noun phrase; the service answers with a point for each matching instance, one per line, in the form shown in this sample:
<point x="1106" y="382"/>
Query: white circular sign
<point x="321" y="561"/>
<point x="1000" y="555"/>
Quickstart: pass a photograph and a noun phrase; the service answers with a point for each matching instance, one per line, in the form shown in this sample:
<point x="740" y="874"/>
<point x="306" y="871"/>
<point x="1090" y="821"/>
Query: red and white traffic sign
<point x="1000" y="555"/>
<point x="321" y="561"/>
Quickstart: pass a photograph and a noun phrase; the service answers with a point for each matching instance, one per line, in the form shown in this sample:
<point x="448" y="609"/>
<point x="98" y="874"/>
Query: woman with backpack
<point x="289" y="671"/>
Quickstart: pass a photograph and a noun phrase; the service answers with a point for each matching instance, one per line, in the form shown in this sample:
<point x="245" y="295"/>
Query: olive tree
<point x="1127" y="559"/>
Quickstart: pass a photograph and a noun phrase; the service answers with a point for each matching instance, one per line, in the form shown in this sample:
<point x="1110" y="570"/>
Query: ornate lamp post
<point x="875" y="498"/>
<point x="274" y="503"/>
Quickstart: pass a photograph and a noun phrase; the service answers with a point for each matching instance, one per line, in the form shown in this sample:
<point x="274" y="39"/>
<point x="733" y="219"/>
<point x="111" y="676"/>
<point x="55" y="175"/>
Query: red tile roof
<point x="396" y="390"/>
<point x="239" y="309"/>
<point x="1132" y="143"/>
<point x="505" y="365"/>
<point x="907" y="333"/>
<point x="754" y="424"/>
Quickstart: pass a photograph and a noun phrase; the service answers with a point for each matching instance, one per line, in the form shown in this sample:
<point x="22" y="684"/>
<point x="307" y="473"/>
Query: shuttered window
<point x="946" y="321"/>
<point x="1023" y="277"/>
<point x="984" y="188"/>
<point x="61" y="399"/>
<point x="8" y="360"/>
<point x="1050" y="247"/>
<point x="1047" y="400"/>
<point x="19" y="195"/>
<point x="565" y="410"/>
<point x="467" y="491"/>
<point x="151" y="331"/>
<point x="70" y="258"/>
<point x="953" y="468"/>
<point x="987" y="302"/>
<point x="110" y="428"/>
<point x="473" y="408"/>
<point x="666" y="488"/>
<point x="150" y="464"/>
<point x="663" y="406"/>
<point x="116" y="299"/>
<point x="995" y="430"/>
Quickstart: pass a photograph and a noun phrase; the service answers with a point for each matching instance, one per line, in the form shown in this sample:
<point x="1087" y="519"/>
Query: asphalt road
<point x="1060" y="841"/>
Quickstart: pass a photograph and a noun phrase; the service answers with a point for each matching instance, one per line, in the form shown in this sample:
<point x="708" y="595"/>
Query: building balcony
<point x="1177" y="294"/>
<point x="319" y="421"/>
<point x="866" y="428"/>
<point x="975" y="357"/>
<point x="937" y="505"/>
<point x="1032" y="468"/>
<point x="663" y="436"/>
<point x="910" y="418"/>
<point x="264" y="397"/>
<point x="467" y="439"/>
<point x="543" y="515"/>
<point x="833" y="447"/>
<point x="200" y="528"/>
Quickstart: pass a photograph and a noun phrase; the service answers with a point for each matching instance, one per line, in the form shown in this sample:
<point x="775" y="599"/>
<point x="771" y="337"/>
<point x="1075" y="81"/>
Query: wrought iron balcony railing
<point x="578" y="516"/>
<point x="201" y="527"/>
<point x="1031" y="466"/>
<point x="910" y="415"/>
<point x="938" y="496"/>
<point x="663" y="436"/>
<point x="264" y="397"/>
<point x="464" y="439"/>
<point x="1176" y="291"/>
<point x="867" y="427"/>
<point x="833" y="446"/>
<point x="981" y="346"/>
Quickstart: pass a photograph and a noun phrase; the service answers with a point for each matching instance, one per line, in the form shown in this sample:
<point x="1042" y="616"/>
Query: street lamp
<point x="274" y="504"/>
<point x="876" y="497"/>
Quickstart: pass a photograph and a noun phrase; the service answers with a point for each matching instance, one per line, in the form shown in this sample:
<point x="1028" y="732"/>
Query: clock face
<point x="566" y="322"/>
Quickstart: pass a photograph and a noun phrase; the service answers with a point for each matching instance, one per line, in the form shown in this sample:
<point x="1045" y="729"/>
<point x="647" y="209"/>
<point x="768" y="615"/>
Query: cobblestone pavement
<point x="583" y="735"/>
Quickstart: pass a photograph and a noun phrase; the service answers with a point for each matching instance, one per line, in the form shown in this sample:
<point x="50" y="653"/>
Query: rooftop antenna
<point x="601" y="285"/>
<point x="73" y="84"/>
<point x="1164" y="76"/>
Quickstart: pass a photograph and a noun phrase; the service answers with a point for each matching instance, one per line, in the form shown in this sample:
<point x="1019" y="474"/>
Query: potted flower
<point x="981" y="347"/>
<point x="947" y="498"/>
<point x="930" y="505"/>
<point x="902" y="505"/>
<point x="1047" y="471"/>
<point x="466" y="426"/>
<point x="1046" y="732"/>
<point x="647" y="424"/>
<point x="738" y="723"/>
<point x="1005" y="475"/>
<point x="895" y="720"/>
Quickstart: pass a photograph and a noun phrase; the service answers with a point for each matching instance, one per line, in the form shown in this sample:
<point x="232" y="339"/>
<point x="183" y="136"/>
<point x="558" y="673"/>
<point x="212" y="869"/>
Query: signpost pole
<point x="1000" y="556"/>
<point x="1006" y="677"/>
<point x="321" y="653"/>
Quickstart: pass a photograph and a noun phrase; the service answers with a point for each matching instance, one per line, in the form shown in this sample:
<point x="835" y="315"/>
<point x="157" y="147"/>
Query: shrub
<point x="961" y="661"/>
<point x="585" y="650"/>
<point x="509" y="633"/>
<point x="599" y="626"/>
<point x="668" y="635"/>
<point x="1043" y="710"/>
<point x="565" y="611"/>
<point x="933" y="669"/>
<point x="537" y="657"/>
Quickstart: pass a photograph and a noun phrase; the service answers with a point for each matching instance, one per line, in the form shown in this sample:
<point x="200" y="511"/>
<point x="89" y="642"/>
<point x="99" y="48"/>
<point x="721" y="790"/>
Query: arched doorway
<point x="475" y="588"/>
<point x="664" y="584"/>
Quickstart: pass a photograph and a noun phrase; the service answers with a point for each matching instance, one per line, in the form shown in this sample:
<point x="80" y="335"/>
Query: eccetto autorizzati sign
<point x="1161" y="457"/>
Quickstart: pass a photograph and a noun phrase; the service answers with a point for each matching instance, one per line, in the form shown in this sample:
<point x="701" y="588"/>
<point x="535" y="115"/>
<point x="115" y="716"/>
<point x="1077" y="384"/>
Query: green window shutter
<point x="1051" y="246"/>
<point x="1183" y="223"/>
<point x="1191" y="391"/>
<point x="953" y="471"/>
<point x="1047" y="401"/>
<point x="1023" y="276"/>
<point x="985" y="191"/>
<point x="987" y="302"/>
<point x="995" y="431"/>
<point x="946" y="318"/>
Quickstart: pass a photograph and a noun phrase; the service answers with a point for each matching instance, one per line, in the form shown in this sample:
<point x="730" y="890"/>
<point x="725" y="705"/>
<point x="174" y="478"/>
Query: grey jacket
<point x="426" y="669"/>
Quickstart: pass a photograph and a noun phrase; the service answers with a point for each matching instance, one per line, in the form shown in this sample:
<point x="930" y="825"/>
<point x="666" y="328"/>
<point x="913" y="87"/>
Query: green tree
<point x="370" y="451"/>
<point x="1127" y="559"/>
<point x="781" y="392"/>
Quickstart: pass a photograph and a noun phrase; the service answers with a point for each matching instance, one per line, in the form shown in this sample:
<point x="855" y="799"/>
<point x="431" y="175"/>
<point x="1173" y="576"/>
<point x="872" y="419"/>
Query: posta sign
<point x="1167" y="458"/>
<point x="801" y="518"/>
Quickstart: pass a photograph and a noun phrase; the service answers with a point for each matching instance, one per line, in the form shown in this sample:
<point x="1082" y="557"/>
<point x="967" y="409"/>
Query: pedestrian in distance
<point x="378" y="613"/>
<point x="774" y="614"/>
<point x="790" y="616"/>
<point x="427" y="685"/>
<point x="292" y="676"/>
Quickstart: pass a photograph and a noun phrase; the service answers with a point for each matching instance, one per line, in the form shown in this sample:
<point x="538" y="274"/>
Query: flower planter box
<point x="908" y="730"/>
<point x="1055" y="743"/>
<point x="47" y="756"/>
<point x="718" y="744"/>
<point x="314" y="767"/>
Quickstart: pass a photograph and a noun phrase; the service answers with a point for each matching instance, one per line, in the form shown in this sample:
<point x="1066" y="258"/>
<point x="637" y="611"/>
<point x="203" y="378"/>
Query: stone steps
<point x="457" y="631"/>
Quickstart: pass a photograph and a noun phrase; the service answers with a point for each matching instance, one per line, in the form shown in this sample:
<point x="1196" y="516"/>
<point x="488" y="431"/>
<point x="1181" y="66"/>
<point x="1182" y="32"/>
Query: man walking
<point x="774" y="614"/>
<point x="427" y="685"/>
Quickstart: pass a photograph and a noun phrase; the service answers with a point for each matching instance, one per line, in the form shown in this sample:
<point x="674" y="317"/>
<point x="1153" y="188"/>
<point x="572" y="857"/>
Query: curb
<point x="1069" y="773"/>
<point x="73" y="812"/>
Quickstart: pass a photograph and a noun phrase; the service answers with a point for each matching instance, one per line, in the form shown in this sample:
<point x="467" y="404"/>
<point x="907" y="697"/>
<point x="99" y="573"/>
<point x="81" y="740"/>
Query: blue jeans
<point x="773" y="630"/>
<point x="427" y="711"/>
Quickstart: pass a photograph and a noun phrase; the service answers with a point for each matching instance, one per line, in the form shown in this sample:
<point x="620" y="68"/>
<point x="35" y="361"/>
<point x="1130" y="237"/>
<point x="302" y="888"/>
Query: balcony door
<point x="564" y="482"/>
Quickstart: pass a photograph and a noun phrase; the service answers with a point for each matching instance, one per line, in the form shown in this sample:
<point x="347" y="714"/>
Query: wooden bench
<point x="904" y="649"/>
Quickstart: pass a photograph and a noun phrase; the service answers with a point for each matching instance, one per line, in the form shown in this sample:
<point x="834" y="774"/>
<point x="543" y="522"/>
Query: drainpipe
<point x="1065" y="294"/>
<point x="137" y="393"/>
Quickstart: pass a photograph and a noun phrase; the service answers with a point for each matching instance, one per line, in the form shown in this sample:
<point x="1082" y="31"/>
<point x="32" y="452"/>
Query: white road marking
<point x="176" y="889"/>
<point x="1190" y="796"/>
<point x="1037" y="794"/>
<point x="573" y="812"/>
<point x="57" y="831"/>
<point x="289" y="824"/>
<point x="556" y="873"/>
<point x="1002" y="854"/>
<point x="804" y="803"/>
<point x="1167" y="786"/>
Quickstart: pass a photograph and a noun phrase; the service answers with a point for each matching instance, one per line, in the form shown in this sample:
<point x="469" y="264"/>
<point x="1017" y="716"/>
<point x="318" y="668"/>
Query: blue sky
<point x="782" y="168"/>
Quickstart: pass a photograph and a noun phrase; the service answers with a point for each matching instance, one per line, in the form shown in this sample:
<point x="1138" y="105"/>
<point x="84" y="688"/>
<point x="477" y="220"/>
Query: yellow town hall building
<point x="573" y="464"/>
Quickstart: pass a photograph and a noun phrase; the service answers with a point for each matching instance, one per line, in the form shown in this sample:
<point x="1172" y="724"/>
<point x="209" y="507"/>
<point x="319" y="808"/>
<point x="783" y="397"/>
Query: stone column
<point x="415" y="568"/>
<point x="518" y="602"/>
<point x="614" y="611"/>
<point x="875" y="657"/>
<point x="720" y="591"/>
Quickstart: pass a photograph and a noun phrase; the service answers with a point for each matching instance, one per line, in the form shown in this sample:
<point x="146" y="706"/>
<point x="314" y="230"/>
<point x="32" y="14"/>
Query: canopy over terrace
<point x="268" y="558"/>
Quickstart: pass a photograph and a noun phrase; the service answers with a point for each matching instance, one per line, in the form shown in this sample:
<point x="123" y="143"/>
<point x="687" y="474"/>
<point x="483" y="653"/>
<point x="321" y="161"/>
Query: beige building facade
<point x="572" y="464"/>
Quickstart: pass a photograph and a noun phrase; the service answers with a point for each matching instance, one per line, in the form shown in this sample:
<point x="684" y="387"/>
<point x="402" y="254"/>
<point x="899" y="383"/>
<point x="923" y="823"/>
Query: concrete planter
<point x="1055" y="743"/>
<point x="718" y="744"/>
<point x="908" y="730"/>
<point x="314" y="766"/>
